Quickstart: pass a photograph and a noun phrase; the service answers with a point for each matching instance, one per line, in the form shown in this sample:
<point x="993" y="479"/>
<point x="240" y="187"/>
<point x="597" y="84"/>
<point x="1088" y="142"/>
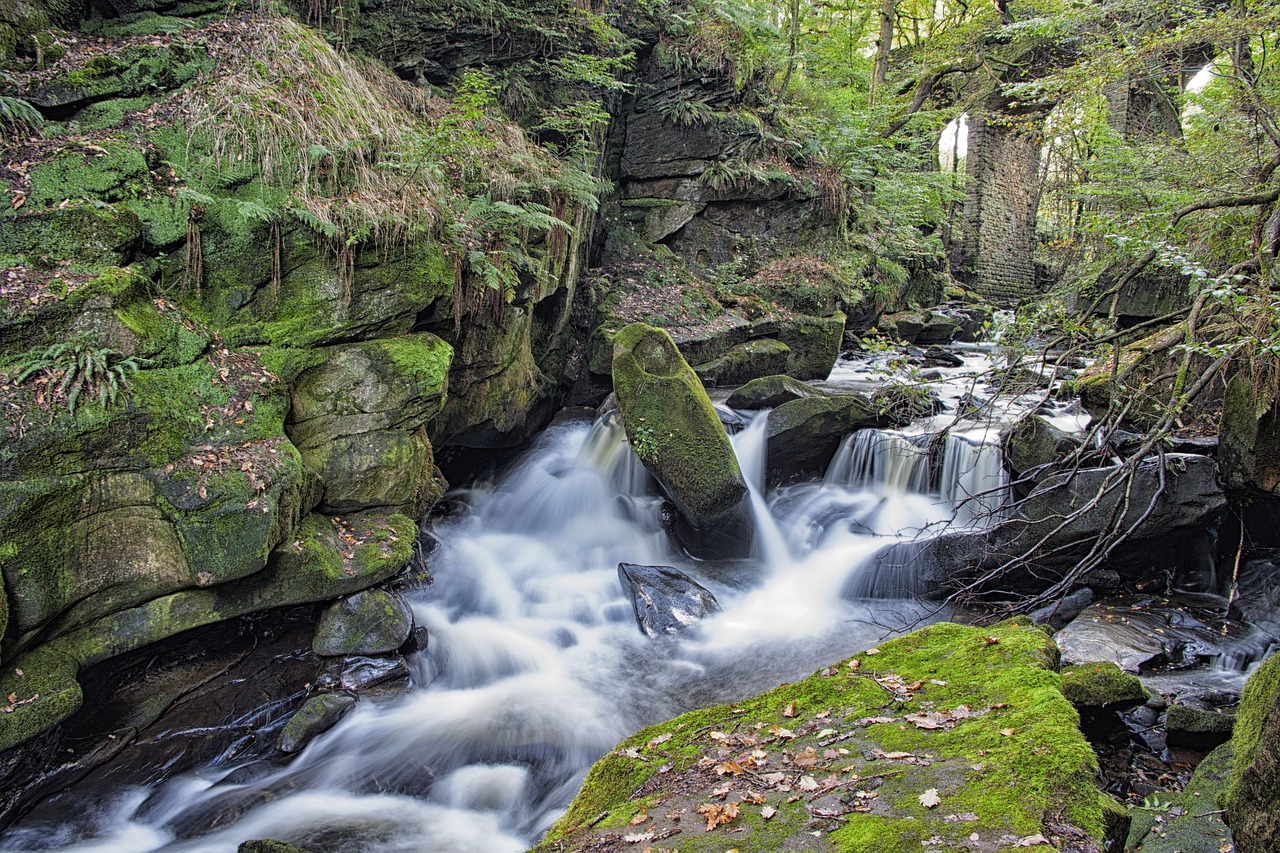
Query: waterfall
<point x="974" y="482"/>
<point x="536" y="666"/>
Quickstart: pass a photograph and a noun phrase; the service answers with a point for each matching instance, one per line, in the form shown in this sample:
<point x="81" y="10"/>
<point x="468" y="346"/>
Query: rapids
<point x="536" y="666"/>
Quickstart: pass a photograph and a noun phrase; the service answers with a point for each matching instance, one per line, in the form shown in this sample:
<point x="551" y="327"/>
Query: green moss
<point x="1097" y="685"/>
<point x="83" y="235"/>
<point x="658" y="391"/>
<point x="1260" y="696"/>
<point x="164" y="340"/>
<point x="1017" y="763"/>
<point x="115" y="173"/>
<point x="44" y="691"/>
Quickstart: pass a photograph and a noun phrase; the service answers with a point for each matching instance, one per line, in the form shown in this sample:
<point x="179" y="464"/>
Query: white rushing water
<point x="536" y="666"/>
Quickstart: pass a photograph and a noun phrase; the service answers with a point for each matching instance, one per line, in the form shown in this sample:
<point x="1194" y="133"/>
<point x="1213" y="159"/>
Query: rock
<point x="268" y="846"/>
<point x="358" y="420"/>
<point x="744" y="362"/>
<point x="919" y="327"/>
<point x="1060" y="613"/>
<point x="936" y="356"/>
<point x="674" y="429"/>
<point x="1249" y="453"/>
<point x="368" y="623"/>
<point x="1032" y="739"/>
<point x="769" y="392"/>
<point x="1127" y="639"/>
<point x="665" y="600"/>
<point x="1034" y="444"/>
<point x="1253" y="799"/>
<point x="1258" y="594"/>
<point x="814" y="344"/>
<point x="316" y="716"/>
<point x="802" y="435"/>
<point x="1098" y="686"/>
<point x="361" y="673"/>
<point x="418" y="641"/>
<point x="1196" y="728"/>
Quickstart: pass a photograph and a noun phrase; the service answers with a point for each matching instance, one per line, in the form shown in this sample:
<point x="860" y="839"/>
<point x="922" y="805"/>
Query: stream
<point x="536" y="666"/>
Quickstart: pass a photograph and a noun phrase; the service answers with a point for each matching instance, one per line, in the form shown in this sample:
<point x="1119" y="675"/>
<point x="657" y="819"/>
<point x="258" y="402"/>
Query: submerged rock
<point x="666" y="600"/>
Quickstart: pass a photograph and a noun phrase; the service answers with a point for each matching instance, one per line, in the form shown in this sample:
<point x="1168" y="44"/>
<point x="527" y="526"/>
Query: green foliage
<point x="77" y="370"/>
<point x="645" y="444"/>
<point x="18" y="116"/>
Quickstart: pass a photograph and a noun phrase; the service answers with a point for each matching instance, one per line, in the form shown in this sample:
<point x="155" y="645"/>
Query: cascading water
<point x="536" y="666"/>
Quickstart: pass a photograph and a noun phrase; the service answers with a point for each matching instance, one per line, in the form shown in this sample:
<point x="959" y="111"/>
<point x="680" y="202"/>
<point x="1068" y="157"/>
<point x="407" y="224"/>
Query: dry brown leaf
<point x="807" y="783"/>
<point x="1007" y="732"/>
<point x="730" y="767"/>
<point x="753" y="797"/>
<point x="658" y="741"/>
<point x="930" y="799"/>
<point x="790" y="710"/>
<point x="768" y="812"/>
<point x="718" y="815"/>
<point x="1031" y="840"/>
<point x="640" y="818"/>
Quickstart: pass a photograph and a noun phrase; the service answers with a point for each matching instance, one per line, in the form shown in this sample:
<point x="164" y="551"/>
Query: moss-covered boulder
<point x="924" y="743"/>
<point x="1034" y="444"/>
<point x="744" y="362"/>
<point x="769" y="392"/>
<point x="1253" y="799"/>
<point x="1197" y="728"/>
<point x="814" y="344"/>
<point x="1095" y="686"/>
<point x="675" y="431"/>
<point x="358" y="418"/>
<point x="371" y="622"/>
<point x="803" y="434"/>
<point x="1249" y="441"/>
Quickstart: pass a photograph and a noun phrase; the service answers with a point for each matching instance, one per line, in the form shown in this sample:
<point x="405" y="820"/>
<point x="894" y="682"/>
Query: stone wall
<point x="998" y="225"/>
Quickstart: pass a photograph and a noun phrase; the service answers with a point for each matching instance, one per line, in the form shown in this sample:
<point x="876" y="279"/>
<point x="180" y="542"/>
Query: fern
<point x="81" y="369"/>
<point x="17" y="115"/>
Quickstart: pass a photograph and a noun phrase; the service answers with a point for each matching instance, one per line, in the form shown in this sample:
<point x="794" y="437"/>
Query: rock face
<point x="968" y="689"/>
<point x="316" y="716"/>
<point x="1182" y="500"/>
<point x="1253" y="798"/>
<point x="675" y="431"/>
<point x="665" y="600"/>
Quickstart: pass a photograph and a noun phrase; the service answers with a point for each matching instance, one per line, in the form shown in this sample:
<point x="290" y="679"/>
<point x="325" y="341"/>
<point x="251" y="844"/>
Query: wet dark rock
<point x="936" y="356"/>
<point x="1034" y="444"/>
<point x="1196" y="728"/>
<point x="361" y="673"/>
<point x="731" y="420"/>
<point x="802" y="435"/>
<point x="1258" y="594"/>
<point x="419" y="639"/>
<point x="1140" y="634"/>
<point x="368" y="623"/>
<point x="317" y="715"/>
<point x="268" y="846"/>
<point x="1060" y="613"/>
<point x="744" y="362"/>
<point x="666" y="600"/>
<point x="769" y="392"/>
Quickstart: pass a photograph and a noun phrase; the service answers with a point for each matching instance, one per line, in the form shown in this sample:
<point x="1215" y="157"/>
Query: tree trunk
<point x="880" y="71"/>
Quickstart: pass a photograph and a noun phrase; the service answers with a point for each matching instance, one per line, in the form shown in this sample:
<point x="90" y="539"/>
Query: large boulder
<point x="1253" y="798"/>
<point x="1249" y="453"/>
<point x="358" y="419"/>
<point x="674" y="429"/>
<point x="941" y="735"/>
<point x="1034" y="444"/>
<point x="665" y="600"/>
<point x="769" y="392"/>
<point x="744" y="362"/>
<point x="802" y="435"/>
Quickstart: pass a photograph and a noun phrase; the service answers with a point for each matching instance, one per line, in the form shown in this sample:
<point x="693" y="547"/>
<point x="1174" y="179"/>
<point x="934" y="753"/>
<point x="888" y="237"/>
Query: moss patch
<point x="841" y="760"/>
<point x="1099" y="685"/>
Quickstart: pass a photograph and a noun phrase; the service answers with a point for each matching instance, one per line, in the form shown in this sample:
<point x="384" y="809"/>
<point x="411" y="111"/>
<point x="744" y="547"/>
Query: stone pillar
<point x="998" y="225"/>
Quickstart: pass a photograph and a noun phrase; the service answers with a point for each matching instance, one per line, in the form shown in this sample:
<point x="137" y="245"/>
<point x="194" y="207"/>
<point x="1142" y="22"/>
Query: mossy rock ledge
<point x="1252" y="800"/>
<point x="675" y="431"/>
<point x="950" y="738"/>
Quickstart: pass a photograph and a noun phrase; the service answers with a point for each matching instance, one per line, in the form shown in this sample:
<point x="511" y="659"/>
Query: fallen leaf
<point x="1031" y="840"/>
<point x="790" y="710"/>
<point x="658" y="741"/>
<point x="807" y="783"/>
<point x="730" y="767"/>
<point x="642" y="817"/>
<point x="752" y="797"/>
<point x="854" y="664"/>
<point x="930" y="799"/>
<point x="718" y="815"/>
<point x="638" y="837"/>
<point x="768" y="812"/>
<point x="1007" y="732"/>
<point x="872" y="652"/>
